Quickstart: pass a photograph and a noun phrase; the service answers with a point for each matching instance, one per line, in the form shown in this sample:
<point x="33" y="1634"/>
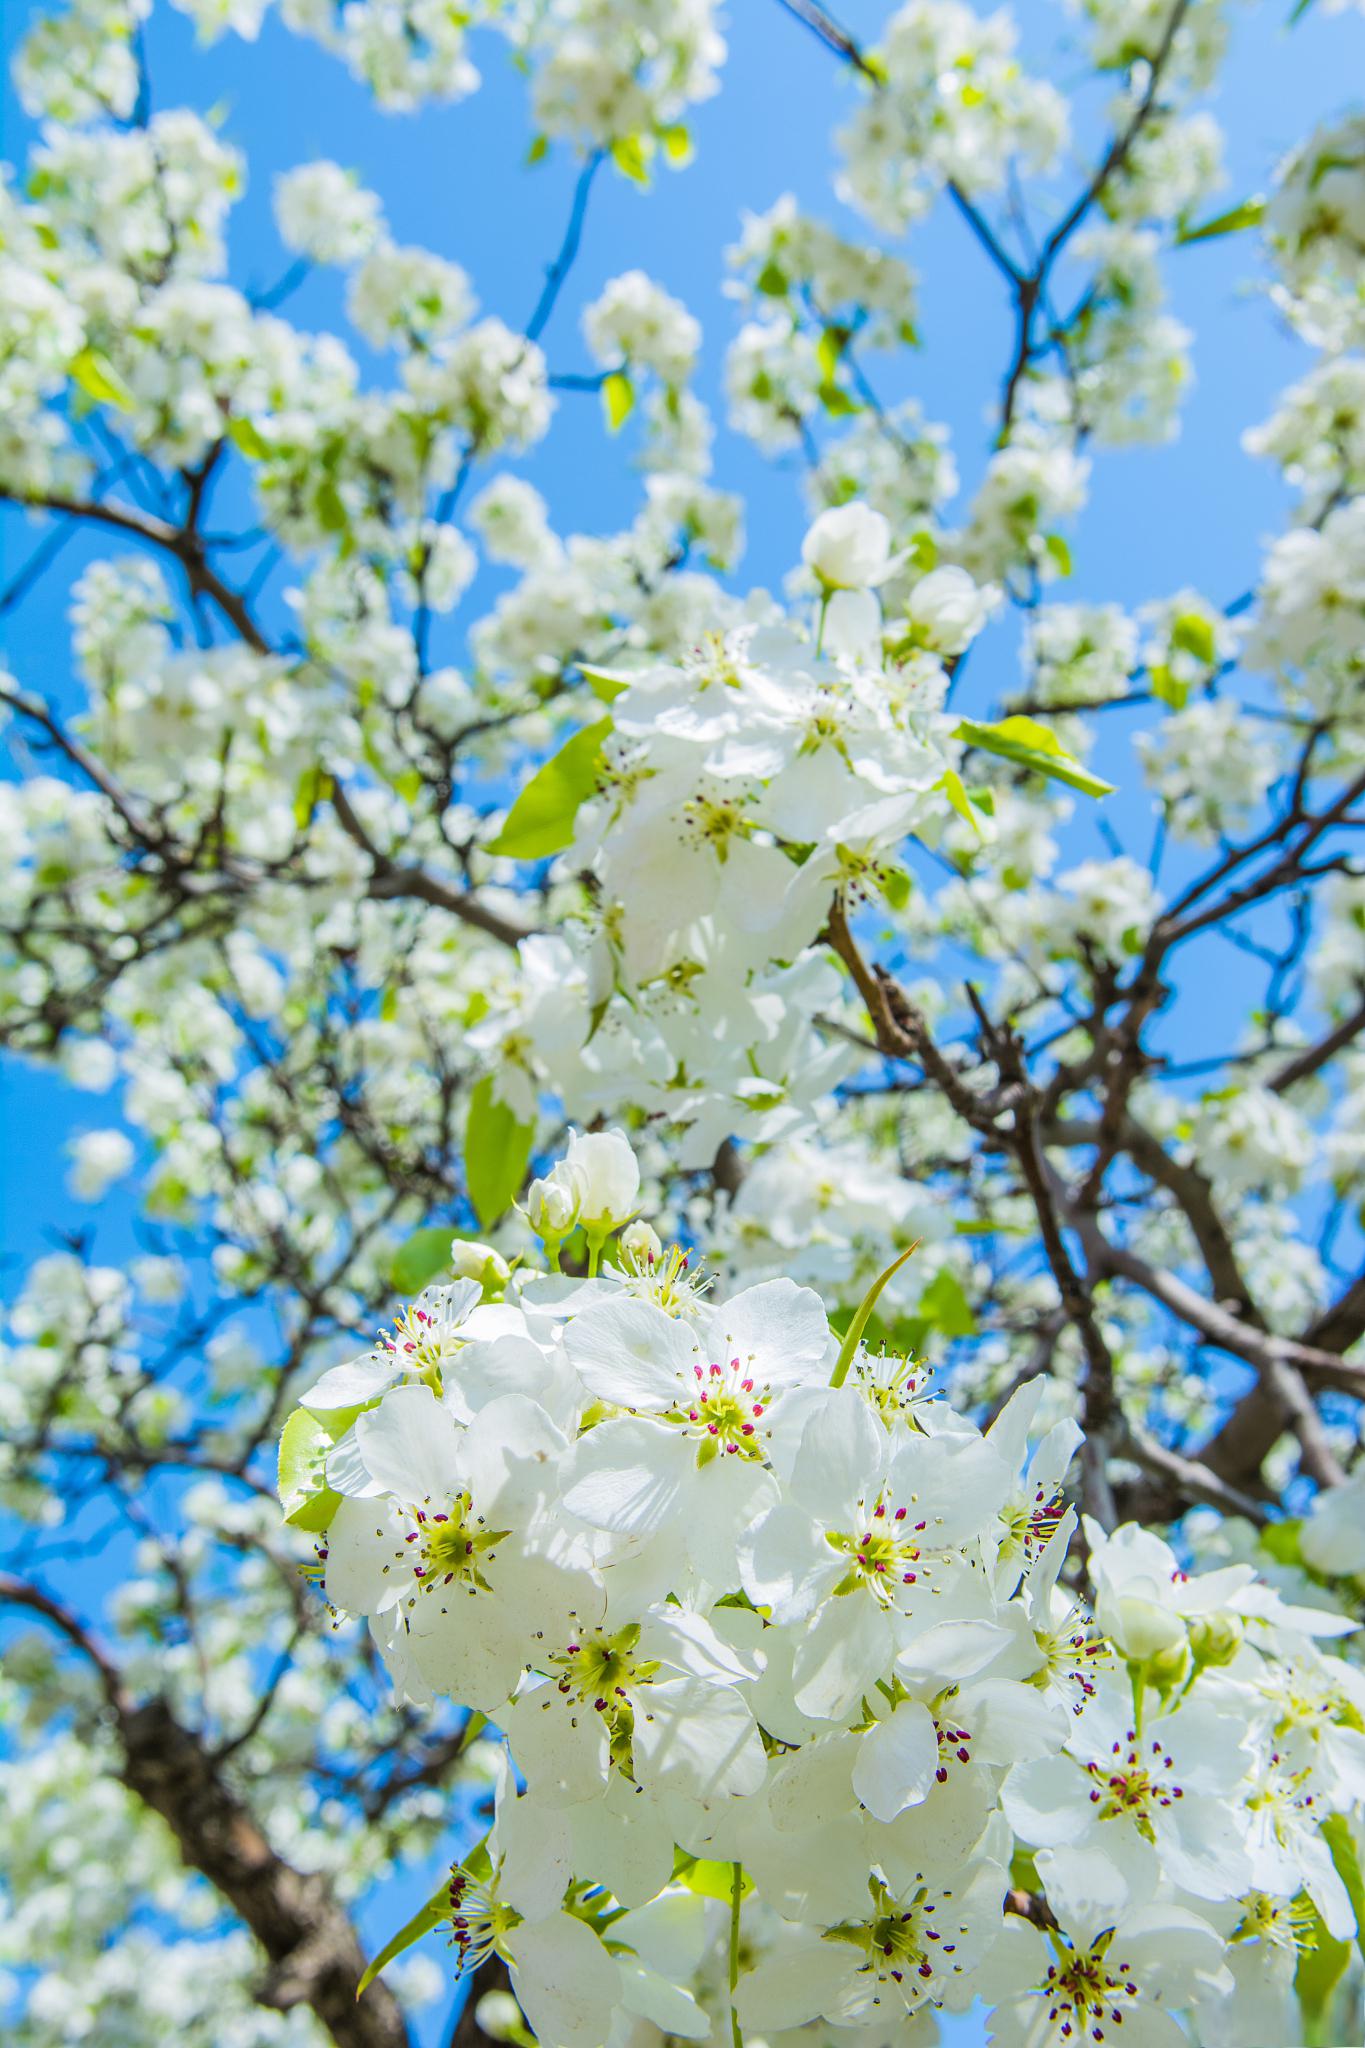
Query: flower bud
<point x="1168" y="1669"/>
<point x="1141" y="1629"/>
<point x="552" y="1207"/>
<point x="602" y="1168"/>
<point x="499" y="2016"/>
<point x="848" y="548"/>
<point x="1215" y="1639"/>
<point x="641" y="1243"/>
<point x="947" y="610"/>
<point x="482" y="1262"/>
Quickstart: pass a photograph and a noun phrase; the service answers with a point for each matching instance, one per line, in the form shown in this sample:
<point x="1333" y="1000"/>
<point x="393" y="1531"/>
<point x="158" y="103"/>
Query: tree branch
<point x="314" y="1954"/>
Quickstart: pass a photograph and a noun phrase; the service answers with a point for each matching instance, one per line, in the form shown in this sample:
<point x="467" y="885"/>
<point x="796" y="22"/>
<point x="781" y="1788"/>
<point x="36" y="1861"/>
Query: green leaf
<point x="417" y="1261"/>
<point x="1321" y="1967"/>
<point x="306" y="1498"/>
<point x="829" y="351"/>
<point x="1192" y="633"/>
<point x="895" y="885"/>
<point x="1031" y="744"/>
<point x="436" y="1909"/>
<point x="331" y="509"/>
<point x="771" y="281"/>
<point x="244" y="434"/>
<point x="1060" y="552"/>
<point x="606" y="684"/>
<point x="618" y="400"/>
<point x="1336" y="1832"/>
<point x="497" y="1150"/>
<point x="1281" y="1541"/>
<point x="708" y="1878"/>
<point x="628" y="155"/>
<point x="541" y="821"/>
<point x="539" y="150"/>
<point x="1167" y="688"/>
<point x="836" y="400"/>
<point x="944" y="1304"/>
<point x="677" y="144"/>
<point x="313" y="787"/>
<point x="953" y="787"/>
<point x="853" y="1335"/>
<point x="923" y="551"/>
<point x="1247" y="215"/>
<point x="99" y="379"/>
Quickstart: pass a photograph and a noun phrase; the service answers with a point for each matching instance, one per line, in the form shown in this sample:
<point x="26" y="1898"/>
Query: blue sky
<point x="456" y="179"/>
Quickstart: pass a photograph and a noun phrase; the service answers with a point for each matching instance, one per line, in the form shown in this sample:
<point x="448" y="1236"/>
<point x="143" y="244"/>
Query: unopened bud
<point x="552" y="1207"/>
<point x="1215" y="1639"/>
<point x="602" y="1168"/>
<point x="641" y="1244"/>
<point x="499" y="2016"/>
<point x="482" y="1262"/>
<point x="1168" y="1669"/>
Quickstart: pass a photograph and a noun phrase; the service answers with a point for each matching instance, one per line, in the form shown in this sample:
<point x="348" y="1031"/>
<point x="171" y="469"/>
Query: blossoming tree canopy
<point x="839" y="1080"/>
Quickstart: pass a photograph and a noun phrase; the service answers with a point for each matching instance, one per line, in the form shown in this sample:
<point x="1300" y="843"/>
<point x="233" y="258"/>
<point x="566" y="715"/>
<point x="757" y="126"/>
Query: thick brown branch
<point x="314" y="1955"/>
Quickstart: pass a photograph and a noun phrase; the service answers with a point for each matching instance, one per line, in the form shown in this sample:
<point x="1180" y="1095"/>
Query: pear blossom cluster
<point x="817" y="1704"/>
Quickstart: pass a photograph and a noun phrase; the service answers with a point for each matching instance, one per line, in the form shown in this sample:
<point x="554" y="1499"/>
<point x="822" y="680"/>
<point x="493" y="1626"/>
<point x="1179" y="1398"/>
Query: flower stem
<point x="736" y="1891"/>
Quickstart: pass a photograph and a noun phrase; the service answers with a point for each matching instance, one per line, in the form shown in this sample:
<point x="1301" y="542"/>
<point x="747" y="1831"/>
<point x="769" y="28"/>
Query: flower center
<point x="1087" y="1994"/>
<point x="602" y="1672"/>
<point x="1284" y="1924"/>
<point x="449" y="1544"/>
<point x="421" y="1343"/>
<point x="477" y="1920"/>
<point x="1128" y="1785"/>
<point x="667" y="1280"/>
<point x="884" y="1556"/>
<point x="904" y="1943"/>
<point x="954" y="1747"/>
<point x="715" y="821"/>
<point x="724" y="1410"/>
<point x="1033" y="1524"/>
<point x="893" y="1385"/>
<point x="1072" y="1652"/>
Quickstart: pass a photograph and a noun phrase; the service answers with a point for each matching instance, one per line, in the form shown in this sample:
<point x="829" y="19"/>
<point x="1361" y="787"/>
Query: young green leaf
<point x="944" y="1304"/>
<point x="541" y="820"/>
<point x="418" y="1261"/>
<point x="99" y="379"/>
<point x="1232" y="222"/>
<point x="618" y="400"/>
<point x="862" y="1315"/>
<point x="1031" y="744"/>
<point x="497" y="1150"/>
<point x="436" y="1909"/>
<point x="305" y="1497"/>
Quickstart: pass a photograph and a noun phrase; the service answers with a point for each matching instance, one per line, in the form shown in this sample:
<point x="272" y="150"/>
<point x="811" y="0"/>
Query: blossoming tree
<point x="853" y="1507"/>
